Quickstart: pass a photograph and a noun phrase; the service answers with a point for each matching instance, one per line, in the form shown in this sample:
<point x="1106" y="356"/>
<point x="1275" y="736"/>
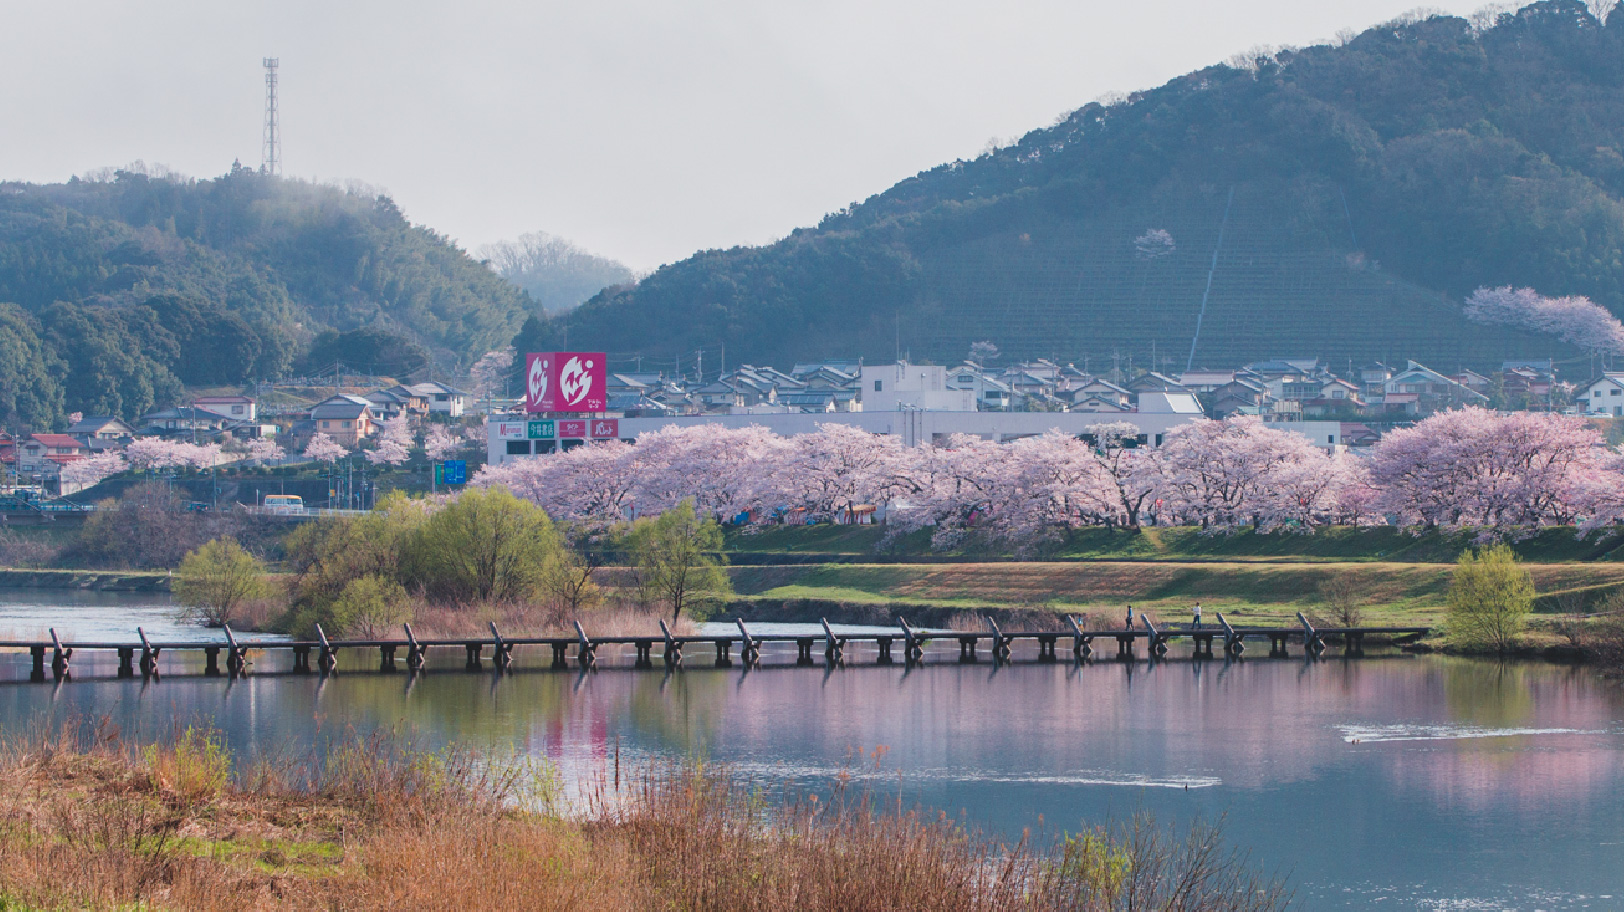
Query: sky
<point x="640" y="129"/>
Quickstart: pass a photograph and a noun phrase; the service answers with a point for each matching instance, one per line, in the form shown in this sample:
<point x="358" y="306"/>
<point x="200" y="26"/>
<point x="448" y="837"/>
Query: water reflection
<point x="1390" y="776"/>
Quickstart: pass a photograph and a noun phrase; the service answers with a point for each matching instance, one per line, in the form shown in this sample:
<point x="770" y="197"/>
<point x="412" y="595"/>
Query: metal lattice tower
<point x="270" y="159"/>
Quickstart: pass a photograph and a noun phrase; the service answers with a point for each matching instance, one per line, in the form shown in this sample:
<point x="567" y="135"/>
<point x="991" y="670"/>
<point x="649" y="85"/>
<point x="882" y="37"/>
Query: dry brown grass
<point x="87" y="821"/>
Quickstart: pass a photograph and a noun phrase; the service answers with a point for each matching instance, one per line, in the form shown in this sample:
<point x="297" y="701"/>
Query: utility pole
<point x="270" y="160"/>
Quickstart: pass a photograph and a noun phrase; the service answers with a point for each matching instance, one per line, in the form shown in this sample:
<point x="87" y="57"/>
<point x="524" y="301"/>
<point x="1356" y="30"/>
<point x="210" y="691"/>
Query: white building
<point x="903" y="386"/>
<point x="1603" y="395"/>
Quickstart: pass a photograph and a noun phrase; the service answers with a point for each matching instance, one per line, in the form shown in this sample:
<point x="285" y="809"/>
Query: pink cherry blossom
<point x="323" y="448"/>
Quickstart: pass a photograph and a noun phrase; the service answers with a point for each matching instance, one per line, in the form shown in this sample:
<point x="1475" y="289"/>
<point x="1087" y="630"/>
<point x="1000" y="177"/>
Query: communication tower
<point x="270" y="160"/>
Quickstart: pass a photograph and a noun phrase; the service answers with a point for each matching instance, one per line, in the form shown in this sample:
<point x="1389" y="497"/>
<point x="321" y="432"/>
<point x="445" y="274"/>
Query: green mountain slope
<point x="124" y="289"/>
<point x="1374" y="185"/>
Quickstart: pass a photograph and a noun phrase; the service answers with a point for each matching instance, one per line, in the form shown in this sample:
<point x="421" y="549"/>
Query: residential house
<point x="1527" y="383"/>
<point x="1420" y="390"/>
<point x="1475" y="381"/>
<point x="991" y="394"/>
<point x="1152" y="382"/>
<point x="240" y="408"/>
<point x="101" y="434"/>
<point x="1239" y="397"/>
<point x="1373" y="379"/>
<point x="1106" y="391"/>
<point x="1205" y="381"/>
<point x="41" y="456"/>
<point x="8" y="458"/>
<point x="1178" y="402"/>
<point x="442" y="399"/>
<point x="1355" y="434"/>
<point x="345" y="418"/>
<point x="1334" y="398"/>
<point x="182" y="420"/>
<point x="394" y="403"/>
<point x="1097" y="403"/>
<point x="1603" y="395"/>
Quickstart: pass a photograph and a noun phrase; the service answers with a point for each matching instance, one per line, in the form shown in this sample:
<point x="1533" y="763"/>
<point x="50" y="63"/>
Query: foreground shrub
<point x="217" y="580"/>
<point x="87" y="821"/>
<point x="1490" y="596"/>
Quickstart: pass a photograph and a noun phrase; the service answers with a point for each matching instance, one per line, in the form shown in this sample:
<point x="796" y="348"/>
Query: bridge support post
<point x="1353" y="643"/>
<point x="724" y="648"/>
<point x="211" y="660"/>
<point x="301" y="660"/>
<point x="967" y="649"/>
<point x="473" y="650"/>
<point x="644" y="649"/>
<point x="1125" y="646"/>
<point x="885" y="650"/>
<point x="126" y="661"/>
<point x="1277" y="646"/>
<point x="1046" y="648"/>
<point x="561" y="655"/>
<point x="37" y="673"/>
<point x="803" y="651"/>
<point x="386" y="658"/>
<point x="59" y="658"/>
<point x="1203" y="645"/>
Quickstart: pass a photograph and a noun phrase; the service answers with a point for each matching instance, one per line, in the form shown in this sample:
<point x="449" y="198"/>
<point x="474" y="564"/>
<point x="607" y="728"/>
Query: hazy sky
<point x="641" y="129"/>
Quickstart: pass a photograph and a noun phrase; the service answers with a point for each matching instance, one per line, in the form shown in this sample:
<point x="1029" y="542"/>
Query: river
<point x="1391" y="781"/>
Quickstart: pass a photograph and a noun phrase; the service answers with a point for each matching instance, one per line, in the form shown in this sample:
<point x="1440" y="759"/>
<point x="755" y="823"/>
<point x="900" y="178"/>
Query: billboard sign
<point x="574" y="430"/>
<point x="541" y="430"/>
<point x="566" y="382"/>
<point x="605" y="428"/>
<point x="510" y="430"/>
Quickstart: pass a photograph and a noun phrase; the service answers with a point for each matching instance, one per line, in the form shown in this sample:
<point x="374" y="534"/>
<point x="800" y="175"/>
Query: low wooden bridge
<point x="53" y="659"/>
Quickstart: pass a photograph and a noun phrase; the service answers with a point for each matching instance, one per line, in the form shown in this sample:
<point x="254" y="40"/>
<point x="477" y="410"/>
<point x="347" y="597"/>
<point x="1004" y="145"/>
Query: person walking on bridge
<point x="1198" y="614"/>
<point x="1129" y="622"/>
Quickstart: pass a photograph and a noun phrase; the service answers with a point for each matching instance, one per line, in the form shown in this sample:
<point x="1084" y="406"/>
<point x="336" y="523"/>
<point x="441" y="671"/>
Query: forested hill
<point x="113" y="293"/>
<point x="1368" y="187"/>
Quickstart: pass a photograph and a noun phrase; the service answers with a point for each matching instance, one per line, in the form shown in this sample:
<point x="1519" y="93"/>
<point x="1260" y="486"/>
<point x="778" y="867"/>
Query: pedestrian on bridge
<point x="1198" y="614"/>
<point x="1129" y="622"/>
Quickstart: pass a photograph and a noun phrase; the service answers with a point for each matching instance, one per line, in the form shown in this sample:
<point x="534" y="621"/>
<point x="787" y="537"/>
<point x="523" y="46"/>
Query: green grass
<point x="1394" y="593"/>
<point x="1340" y="544"/>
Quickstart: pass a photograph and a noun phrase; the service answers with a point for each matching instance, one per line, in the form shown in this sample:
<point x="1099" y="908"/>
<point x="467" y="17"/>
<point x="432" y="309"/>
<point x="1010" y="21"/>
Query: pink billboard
<point x="566" y="382"/>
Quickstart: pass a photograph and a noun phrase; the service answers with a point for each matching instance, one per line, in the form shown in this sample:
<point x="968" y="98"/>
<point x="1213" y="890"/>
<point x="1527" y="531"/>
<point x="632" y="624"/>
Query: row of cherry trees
<point x="1471" y="467"/>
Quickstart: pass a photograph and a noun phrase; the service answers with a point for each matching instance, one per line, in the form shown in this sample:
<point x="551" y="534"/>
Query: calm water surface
<point x="1390" y="782"/>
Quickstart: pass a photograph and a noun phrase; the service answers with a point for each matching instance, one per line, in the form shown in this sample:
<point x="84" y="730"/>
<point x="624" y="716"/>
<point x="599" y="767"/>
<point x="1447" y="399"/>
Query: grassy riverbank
<point x="1251" y="592"/>
<point x="91" y="822"/>
<point x="827" y="543"/>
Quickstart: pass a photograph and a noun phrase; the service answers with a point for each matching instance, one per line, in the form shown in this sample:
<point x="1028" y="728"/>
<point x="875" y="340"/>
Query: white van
<point x="284" y="503"/>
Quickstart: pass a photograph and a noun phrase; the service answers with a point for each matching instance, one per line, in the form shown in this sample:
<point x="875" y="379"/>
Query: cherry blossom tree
<point x="394" y="443"/>
<point x="490" y="373"/>
<point x="1127" y="466"/>
<point x="323" y="448"/>
<point x="1476" y="467"/>
<point x="158" y="453"/>
<point x="263" y="449"/>
<point x="838" y="467"/>
<point x="1574" y="319"/>
<point x="724" y="471"/>
<point x="438" y="443"/>
<point x="1221" y="474"/>
<point x="91" y="470"/>
<point x="1153" y="244"/>
<point x="594" y="483"/>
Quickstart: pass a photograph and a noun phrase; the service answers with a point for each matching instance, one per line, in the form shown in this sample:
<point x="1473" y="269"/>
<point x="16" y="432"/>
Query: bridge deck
<point x="671" y="646"/>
